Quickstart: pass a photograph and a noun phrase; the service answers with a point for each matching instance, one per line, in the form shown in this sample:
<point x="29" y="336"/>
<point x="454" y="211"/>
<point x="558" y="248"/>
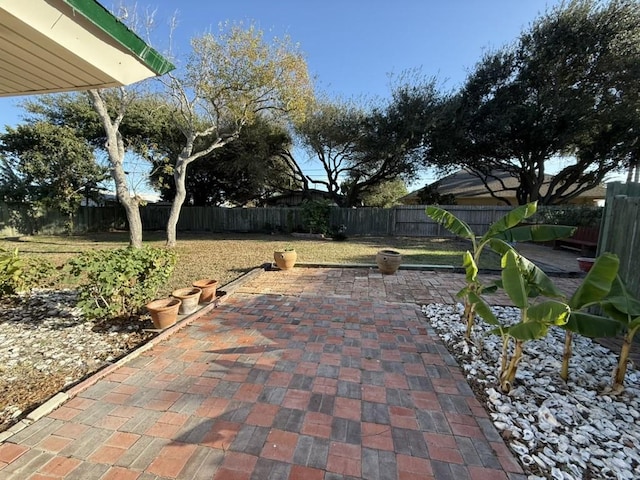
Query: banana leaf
<point x="511" y="219"/>
<point x="536" y="233"/>
<point x="538" y="281"/>
<point x="491" y="288"/>
<point x="550" y="312"/>
<point x="470" y="267"/>
<point x="451" y="222"/>
<point x="499" y="245"/>
<point x="528" y="330"/>
<point x="621" y="304"/>
<point x="598" y="282"/>
<point x="593" y="326"/>
<point x="483" y="309"/>
<point x="513" y="280"/>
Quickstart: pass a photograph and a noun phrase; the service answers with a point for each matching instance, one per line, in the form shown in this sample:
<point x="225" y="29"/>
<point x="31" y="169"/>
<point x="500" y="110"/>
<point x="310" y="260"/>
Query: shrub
<point x="575" y="215"/>
<point x="339" y="233"/>
<point x="18" y="274"/>
<point x="315" y="216"/>
<point x="119" y="282"/>
<point x="11" y="267"/>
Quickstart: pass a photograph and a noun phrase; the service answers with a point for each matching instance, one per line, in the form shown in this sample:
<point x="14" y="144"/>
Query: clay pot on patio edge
<point x="388" y="261"/>
<point x="164" y="312"/>
<point x="208" y="287"/>
<point x="190" y="299"/>
<point x="286" y="259"/>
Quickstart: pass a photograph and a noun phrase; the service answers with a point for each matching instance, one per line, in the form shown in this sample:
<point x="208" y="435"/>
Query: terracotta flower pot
<point x="164" y="312"/>
<point x="388" y="261"/>
<point x="190" y="299"/>
<point x="208" y="287"/>
<point x="585" y="263"/>
<point x="285" y="260"/>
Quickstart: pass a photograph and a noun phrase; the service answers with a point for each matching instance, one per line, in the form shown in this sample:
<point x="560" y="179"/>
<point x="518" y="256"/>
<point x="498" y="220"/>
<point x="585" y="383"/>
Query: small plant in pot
<point x="285" y="259"/>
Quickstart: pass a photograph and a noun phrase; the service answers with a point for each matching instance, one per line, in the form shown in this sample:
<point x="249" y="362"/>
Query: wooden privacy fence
<point x="399" y="221"/>
<point x="412" y="221"/>
<point x="620" y="230"/>
<point x="18" y="220"/>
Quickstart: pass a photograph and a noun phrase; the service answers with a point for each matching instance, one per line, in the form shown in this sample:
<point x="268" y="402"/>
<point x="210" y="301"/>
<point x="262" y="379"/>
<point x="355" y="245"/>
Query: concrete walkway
<point x="310" y="374"/>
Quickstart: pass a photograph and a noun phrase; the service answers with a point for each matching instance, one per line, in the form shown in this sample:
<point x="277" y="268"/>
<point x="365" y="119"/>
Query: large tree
<point x="385" y="195"/>
<point x="242" y="172"/>
<point x="48" y="165"/>
<point x="566" y="88"/>
<point x="330" y="132"/>
<point x="229" y="80"/>
<point x="118" y="122"/>
<point x="363" y="148"/>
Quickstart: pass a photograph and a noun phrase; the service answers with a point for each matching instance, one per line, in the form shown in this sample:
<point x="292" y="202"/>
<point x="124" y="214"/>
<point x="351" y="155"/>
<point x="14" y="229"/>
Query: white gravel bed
<point x="46" y="345"/>
<point x="558" y="430"/>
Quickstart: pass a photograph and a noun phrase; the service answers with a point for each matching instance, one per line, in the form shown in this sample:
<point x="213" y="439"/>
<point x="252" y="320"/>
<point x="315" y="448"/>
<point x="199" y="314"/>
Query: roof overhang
<point x="49" y="46"/>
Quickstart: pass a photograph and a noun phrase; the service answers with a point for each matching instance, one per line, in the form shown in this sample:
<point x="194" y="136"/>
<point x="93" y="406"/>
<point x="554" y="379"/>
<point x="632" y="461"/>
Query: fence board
<point x="411" y="220"/>
<point x="620" y="232"/>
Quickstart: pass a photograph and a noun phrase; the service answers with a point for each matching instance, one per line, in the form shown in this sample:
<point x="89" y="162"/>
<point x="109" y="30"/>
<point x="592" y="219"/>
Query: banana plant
<point x="595" y="287"/>
<point x="531" y="291"/>
<point x="498" y="237"/>
<point x="622" y="306"/>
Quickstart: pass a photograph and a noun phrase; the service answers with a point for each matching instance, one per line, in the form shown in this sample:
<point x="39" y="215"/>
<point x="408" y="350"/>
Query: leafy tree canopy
<point x="48" y="165"/>
<point x="384" y="195"/>
<point x="242" y="172"/>
<point x="567" y="87"/>
<point x="230" y="80"/>
<point x="360" y="149"/>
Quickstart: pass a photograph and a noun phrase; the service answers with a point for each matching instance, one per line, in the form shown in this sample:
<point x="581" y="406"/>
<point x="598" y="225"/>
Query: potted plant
<point x="164" y="312"/>
<point x="190" y="297"/>
<point x="388" y="261"/>
<point x="285" y="259"/>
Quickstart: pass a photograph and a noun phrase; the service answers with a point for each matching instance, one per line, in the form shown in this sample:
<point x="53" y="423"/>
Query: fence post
<point x="614" y="189"/>
<point x="391" y="228"/>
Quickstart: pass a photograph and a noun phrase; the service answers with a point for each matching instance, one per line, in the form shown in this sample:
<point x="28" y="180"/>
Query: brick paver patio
<point x="312" y="374"/>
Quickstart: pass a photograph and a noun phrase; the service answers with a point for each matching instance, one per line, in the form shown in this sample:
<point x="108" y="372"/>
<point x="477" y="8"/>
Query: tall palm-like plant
<point x="540" y="305"/>
<point x="595" y="288"/>
<point x="498" y="237"/>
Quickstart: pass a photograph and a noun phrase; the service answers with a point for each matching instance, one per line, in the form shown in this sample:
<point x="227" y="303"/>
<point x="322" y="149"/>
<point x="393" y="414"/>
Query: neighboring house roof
<point x="107" y="196"/>
<point x="464" y="184"/>
<point x="51" y="46"/>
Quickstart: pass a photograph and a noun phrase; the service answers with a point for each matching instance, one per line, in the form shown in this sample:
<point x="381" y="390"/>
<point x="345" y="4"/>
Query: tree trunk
<point x="469" y="314"/>
<point x="116" y="151"/>
<point x="508" y="375"/>
<point x="131" y="204"/>
<point x="179" y="177"/>
<point x="621" y="369"/>
<point x="135" y="223"/>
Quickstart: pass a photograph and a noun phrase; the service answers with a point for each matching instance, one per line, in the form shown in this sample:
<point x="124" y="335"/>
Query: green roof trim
<point x="104" y="20"/>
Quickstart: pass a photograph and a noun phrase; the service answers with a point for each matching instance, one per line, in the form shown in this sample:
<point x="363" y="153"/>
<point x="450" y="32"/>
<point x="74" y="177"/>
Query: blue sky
<point x="352" y="46"/>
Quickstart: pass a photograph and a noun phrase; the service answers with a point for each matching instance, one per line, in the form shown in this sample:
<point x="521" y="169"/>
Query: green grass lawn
<point x="225" y="257"/>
